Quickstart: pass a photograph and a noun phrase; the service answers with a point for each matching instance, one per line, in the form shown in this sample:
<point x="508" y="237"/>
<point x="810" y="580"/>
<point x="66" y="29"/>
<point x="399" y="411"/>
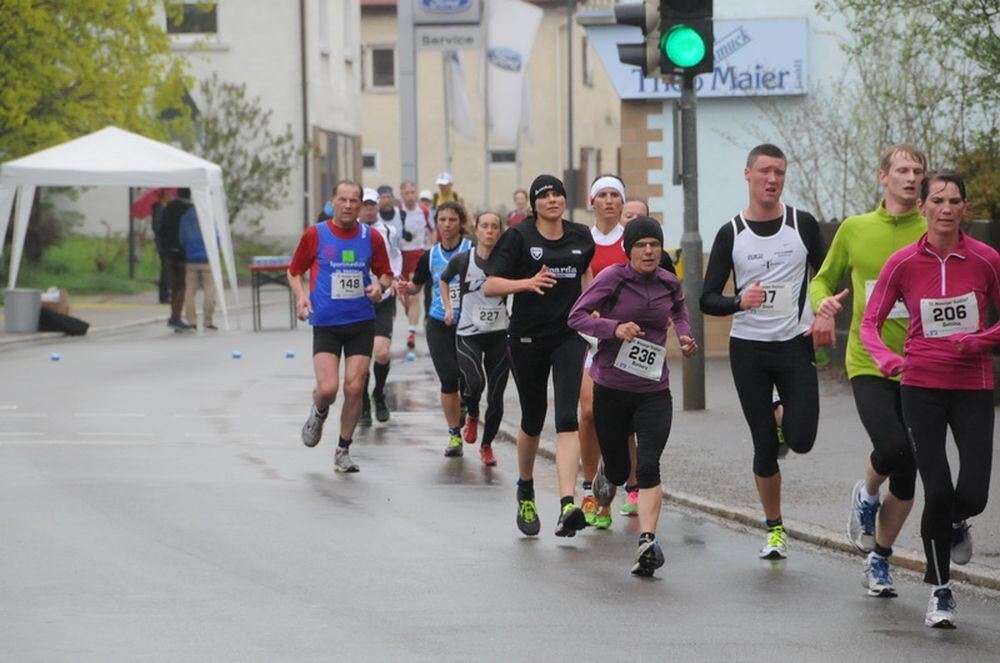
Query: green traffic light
<point x="684" y="46"/>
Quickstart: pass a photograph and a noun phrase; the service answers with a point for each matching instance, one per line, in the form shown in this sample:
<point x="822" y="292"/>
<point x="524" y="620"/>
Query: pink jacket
<point x="946" y="344"/>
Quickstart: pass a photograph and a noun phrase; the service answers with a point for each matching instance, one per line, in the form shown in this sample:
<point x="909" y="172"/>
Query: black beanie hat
<point x="641" y="227"/>
<point x="545" y="183"/>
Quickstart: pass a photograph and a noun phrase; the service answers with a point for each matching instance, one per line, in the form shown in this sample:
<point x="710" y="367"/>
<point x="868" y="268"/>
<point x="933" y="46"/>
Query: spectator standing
<point x="173" y="255"/>
<point x="197" y="273"/>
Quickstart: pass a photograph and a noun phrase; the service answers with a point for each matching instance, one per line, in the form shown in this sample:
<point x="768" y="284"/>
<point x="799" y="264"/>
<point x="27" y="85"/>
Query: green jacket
<point x="862" y="244"/>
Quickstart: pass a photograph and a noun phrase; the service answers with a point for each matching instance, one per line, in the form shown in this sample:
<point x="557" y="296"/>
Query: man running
<point x="521" y="209"/>
<point x="542" y="262"/>
<point x="418" y="235"/>
<point x="769" y="247"/>
<point x="862" y="244"/>
<point x="340" y="255"/>
<point x="385" y="310"/>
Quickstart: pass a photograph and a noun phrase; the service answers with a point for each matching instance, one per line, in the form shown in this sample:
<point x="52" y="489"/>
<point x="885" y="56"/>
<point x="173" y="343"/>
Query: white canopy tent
<point x="115" y="157"/>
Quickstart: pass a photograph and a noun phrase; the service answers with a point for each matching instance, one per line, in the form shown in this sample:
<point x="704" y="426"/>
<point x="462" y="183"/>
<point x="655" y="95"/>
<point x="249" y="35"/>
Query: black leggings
<point x="877" y="400"/>
<point x="530" y="362"/>
<point x="928" y="414"/>
<point x="760" y="366"/>
<point x="473" y="352"/>
<point x="618" y="414"/>
<point x="441" y="343"/>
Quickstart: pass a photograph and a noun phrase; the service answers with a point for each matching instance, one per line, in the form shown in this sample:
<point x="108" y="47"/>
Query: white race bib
<point x="778" y="299"/>
<point x="490" y="318"/>
<point x="641" y="358"/>
<point x="949" y="315"/>
<point x="347" y="285"/>
<point x="455" y="294"/>
<point x="898" y="309"/>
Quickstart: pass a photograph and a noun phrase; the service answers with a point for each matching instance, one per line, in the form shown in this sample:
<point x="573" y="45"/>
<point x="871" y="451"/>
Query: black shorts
<point x="356" y="338"/>
<point x="385" y="311"/>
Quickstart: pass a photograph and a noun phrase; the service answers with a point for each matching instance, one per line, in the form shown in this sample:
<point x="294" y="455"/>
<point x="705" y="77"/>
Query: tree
<point x="234" y="132"/>
<point x="76" y="66"/>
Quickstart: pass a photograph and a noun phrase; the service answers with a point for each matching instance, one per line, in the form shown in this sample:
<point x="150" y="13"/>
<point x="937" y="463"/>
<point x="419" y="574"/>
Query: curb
<point x="974" y="574"/>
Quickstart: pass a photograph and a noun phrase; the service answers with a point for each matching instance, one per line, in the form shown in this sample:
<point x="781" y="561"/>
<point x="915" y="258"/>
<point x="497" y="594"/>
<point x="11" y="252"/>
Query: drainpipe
<point x="306" y="212"/>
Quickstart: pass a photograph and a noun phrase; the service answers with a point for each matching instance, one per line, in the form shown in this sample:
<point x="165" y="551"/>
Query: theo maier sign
<point x="755" y="57"/>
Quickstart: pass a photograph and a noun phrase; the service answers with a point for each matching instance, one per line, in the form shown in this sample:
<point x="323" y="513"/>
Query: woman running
<point x="542" y="262"/>
<point x="636" y="302"/>
<point x="946" y="280"/>
<point x="481" y="337"/>
<point x="450" y="219"/>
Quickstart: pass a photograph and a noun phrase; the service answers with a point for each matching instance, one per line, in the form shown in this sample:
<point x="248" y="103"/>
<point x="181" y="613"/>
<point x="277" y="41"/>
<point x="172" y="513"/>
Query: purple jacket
<point x="622" y="294"/>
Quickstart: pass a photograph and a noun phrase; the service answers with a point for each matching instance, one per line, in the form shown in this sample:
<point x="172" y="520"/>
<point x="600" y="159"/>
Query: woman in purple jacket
<point x="629" y="308"/>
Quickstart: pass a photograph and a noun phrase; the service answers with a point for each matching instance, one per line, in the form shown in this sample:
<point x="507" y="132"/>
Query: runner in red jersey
<point x="946" y="281"/>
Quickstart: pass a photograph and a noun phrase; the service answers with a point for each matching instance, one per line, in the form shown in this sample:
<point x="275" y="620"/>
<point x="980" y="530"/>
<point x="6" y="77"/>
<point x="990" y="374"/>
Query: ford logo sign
<point x="446" y="6"/>
<point x="505" y="58"/>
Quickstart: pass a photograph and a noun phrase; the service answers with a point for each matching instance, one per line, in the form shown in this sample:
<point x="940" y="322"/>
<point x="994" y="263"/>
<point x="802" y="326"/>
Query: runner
<point x="769" y="247"/>
<point x="542" y="262"/>
<point x="372" y="213"/>
<point x="607" y="196"/>
<point x="636" y="303"/>
<point x="481" y="339"/>
<point x="521" y="210"/>
<point x="418" y="234"/>
<point x="340" y="255"/>
<point x="862" y="244"/>
<point x="946" y="280"/>
<point x="450" y="219"/>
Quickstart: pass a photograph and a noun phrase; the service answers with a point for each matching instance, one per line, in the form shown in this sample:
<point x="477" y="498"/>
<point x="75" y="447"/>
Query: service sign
<point x="753" y="58"/>
<point x="441" y="12"/>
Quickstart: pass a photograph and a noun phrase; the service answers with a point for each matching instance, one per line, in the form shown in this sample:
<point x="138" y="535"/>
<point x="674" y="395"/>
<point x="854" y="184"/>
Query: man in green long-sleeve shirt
<point x="862" y="244"/>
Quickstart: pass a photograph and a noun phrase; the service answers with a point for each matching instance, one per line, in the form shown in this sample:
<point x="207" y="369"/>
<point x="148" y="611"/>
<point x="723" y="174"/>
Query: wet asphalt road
<point x="157" y="505"/>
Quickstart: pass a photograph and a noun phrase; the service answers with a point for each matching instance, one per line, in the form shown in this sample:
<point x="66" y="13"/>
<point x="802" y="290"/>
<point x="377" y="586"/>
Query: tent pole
<point x="131" y="234"/>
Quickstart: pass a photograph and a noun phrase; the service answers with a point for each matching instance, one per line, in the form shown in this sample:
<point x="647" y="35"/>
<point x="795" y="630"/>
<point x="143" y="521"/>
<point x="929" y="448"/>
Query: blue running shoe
<point x="941" y="609"/>
<point x="861" y="521"/>
<point x="878" y="581"/>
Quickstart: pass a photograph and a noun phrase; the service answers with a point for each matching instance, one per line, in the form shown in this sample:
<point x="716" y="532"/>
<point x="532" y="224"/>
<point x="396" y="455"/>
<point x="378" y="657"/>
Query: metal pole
<point x="486" y="109"/>
<point x="408" y="107"/>
<point x="447" y="114"/>
<point x="571" y="184"/>
<point x="307" y="213"/>
<point x="694" y="368"/>
<point x="131" y="234"/>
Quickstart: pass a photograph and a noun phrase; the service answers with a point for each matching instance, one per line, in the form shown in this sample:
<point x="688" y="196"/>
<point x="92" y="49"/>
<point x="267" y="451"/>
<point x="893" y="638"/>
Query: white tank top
<point x="480" y="314"/>
<point x="391" y="239"/>
<point x="417" y="224"/>
<point x="780" y="263"/>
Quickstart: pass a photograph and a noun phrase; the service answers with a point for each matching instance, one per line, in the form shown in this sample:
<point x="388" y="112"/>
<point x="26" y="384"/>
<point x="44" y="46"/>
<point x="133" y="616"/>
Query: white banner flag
<point x="512" y="26"/>
<point x="459" y="115"/>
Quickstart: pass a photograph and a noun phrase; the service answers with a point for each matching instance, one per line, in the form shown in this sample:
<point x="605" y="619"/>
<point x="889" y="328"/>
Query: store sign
<point x="437" y="12"/>
<point x="753" y="58"/>
<point x="448" y="37"/>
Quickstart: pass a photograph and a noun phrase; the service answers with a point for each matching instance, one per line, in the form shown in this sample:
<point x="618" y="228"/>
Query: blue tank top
<point x="338" y="296"/>
<point x="438" y="261"/>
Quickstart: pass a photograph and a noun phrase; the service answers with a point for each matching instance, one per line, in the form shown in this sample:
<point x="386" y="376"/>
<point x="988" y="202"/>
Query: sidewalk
<point x="706" y="465"/>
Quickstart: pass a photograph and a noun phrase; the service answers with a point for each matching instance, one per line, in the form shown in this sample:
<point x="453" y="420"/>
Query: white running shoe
<point x="312" y="430"/>
<point x="941" y="608"/>
<point x="777" y="544"/>
<point x="877" y="580"/>
<point x="961" y="542"/>
<point x="342" y="461"/>
<point x="861" y="520"/>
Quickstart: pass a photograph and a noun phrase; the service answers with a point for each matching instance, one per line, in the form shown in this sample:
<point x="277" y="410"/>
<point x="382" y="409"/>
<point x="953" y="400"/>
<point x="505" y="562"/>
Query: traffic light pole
<point x="694" y="367"/>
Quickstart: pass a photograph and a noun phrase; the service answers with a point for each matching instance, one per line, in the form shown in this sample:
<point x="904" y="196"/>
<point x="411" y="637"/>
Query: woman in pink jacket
<point x="946" y="281"/>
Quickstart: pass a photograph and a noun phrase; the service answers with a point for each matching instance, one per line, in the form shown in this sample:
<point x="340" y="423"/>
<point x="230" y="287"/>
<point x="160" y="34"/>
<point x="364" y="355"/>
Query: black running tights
<point x="618" y="414"/>
<point x="482" y="362"/>
<point x="531" y="360"/>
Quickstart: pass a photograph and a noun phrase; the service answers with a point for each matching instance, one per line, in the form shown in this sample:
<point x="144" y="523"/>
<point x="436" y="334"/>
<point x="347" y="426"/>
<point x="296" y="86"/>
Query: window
<point x="369" y="160"/>
<point x="324" y="28"/>
<point x="588" y="62"/>
<point x="381" y="70"/>
<point x="503" y="157"/>
<point x="192" y="17"/>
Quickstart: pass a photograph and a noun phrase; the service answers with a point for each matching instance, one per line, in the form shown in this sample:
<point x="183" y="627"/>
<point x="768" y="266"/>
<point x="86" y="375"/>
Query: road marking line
<point x="118" y="434"/>
<point x="9" y="407"/>
<point x="19" y="434"/>
<point x="110" y="414"/>
<point x="13" y="415"/>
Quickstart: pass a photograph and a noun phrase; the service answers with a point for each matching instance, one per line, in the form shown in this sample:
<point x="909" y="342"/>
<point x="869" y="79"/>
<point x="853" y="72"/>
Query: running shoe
<point x="486" y="455"/>
<point x="961" y="542"/>
<point x="527" y="517"/>
<point x="381" y="409"/>
<point x="312" y="431"/>
<point x="411" y="340"/>
<point x="777" y="545"/>
<point x="603" y="518"/>
<point x="877" y="580"/>
<point x="631" y="506"/>
<point x="861" y="520"/>
<point x="648" y="558"/>
<point x="179" y="325"/>
<point x="471" y="431"/>
<point x="571" y="520"/>
<point x="941" y="608"/>
<point x="454" y="448"/>
<point x="782" y="447"/>
<point x="366" y="411"/>
<point x="342" y="461"/>
<point x="589" y="506"/>
<point x="604" y="490"/>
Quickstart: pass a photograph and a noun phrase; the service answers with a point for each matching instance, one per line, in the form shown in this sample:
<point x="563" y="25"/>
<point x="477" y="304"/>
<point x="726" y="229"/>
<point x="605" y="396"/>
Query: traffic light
<point x="686" y="37"/>
<point x="678" y="37"/>
<point x="646" y="17"/>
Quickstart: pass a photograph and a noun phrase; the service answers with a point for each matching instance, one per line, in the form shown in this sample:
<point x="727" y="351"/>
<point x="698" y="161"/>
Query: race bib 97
<point x="347" y="285"/>
<point x="641" y="358"/>
<point x="949" y="315"/>
<point x="778" y="299"/>
<point x="898" y="309"/>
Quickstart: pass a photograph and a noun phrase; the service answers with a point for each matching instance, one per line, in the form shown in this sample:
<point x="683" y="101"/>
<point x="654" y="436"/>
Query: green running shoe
<point x="602" y="520"/>
<point x="589" y="507"/>
<point x="571" y="520"/>
<point x="631" y="506"/>
<point x="527" y="517"/>
<point x="454" y="448"/>
<point x="777" y="545"/>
